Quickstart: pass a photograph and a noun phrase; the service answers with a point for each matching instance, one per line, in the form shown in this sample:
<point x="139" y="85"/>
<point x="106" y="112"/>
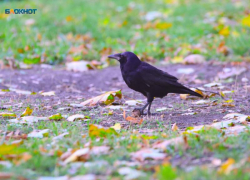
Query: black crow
<point x="147" y="79"/>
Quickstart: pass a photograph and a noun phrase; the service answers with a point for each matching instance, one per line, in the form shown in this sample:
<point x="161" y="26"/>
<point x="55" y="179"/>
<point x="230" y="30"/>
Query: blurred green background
<point x="166" y="30"/>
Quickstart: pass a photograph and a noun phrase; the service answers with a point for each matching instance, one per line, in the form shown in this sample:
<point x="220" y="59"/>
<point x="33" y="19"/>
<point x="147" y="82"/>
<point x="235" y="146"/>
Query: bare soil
<point x="75" y="87"/>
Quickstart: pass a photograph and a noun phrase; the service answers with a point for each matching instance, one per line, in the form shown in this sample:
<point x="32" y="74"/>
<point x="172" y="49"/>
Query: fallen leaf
<point x="226" y="167"/>
<point x="106" y="98"/>
<point x="6" y="149"/>
<point x="39" y="133"/>
<point x="50" y="93"/>
<point x="177" y="59"/>
<point x="164" y="144"/>
<point x="69" y="18"/>
<point x="213" y="84"/>
<point x="76" y="117"/>
<point x="28" y="119"/>
<point x="237" y="116"/>
<point x="222" y="48"/>
<point x="163" y="25"/>
<point x="78" y="66"/>
<point x="78" y="155"/>
<point x="231" y="72"/>
<point x="18" y="91"/>
<point x="56" y="117"/>
<point x="144" y="154"/>
<point x="133" y="102"/>
<point x="134" y="120"/>
<point x="163" y="109"/>
<point x="97" y="150"/>
<point x="201" y="102"/>
<point x="194" y="59"/>
<point x="60" y="136"/>
<point x="28" y="111"/>
<point x="224" y="31"/>
<point x="246" y="21"/>
<point x="175" y="127"/>
<point x="95" y="131"/>
<point x="7" y="115"/>
<point x="229" y="101"/>
<point x="116" y="127"/>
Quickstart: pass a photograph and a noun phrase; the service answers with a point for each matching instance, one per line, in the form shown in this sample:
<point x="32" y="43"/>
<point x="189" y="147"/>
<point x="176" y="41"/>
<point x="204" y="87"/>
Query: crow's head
<point x="125" y="58"/>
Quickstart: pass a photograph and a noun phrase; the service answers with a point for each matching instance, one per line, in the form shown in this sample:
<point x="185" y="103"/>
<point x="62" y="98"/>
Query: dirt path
<point x="74" y="87"/>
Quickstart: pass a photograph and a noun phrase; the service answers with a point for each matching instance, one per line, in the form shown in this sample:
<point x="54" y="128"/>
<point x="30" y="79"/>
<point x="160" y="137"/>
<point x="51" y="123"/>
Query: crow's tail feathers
<point x="184" y="90"/>
<point x="189" y="91"/>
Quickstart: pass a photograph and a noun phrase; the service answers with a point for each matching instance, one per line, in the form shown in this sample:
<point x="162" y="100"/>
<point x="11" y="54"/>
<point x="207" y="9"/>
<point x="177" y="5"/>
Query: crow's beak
<point x="115" y="56"/>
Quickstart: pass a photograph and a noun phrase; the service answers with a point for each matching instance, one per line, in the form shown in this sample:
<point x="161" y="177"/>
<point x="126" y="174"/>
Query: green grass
<point x="121" y="25"/>
<point x="207" y="143"/>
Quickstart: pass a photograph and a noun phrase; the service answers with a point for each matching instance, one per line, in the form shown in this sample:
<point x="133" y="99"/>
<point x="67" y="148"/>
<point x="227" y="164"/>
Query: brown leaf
<point x="134" y="120"/>
<point x="175" y="127"/>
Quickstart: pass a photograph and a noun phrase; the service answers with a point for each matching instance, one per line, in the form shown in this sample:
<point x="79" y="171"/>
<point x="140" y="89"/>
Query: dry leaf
<point x="97" y="131"/>
<point x="28" y="111"/>
<point x="116" y="127"/>
<point x="76" y="117"/>
<point x="144" y="154"/>
<point x="194" y="59"/>
<point x="78" y="66"/>
<point x="50" y="93"/>
<point x="175" y="127"/>
<point x="7" y="115"/>
<point x="106" y="98"/>
<point x="134" y="120"/>
<point x="226" y="167"/>
<point x="79" y="155"/>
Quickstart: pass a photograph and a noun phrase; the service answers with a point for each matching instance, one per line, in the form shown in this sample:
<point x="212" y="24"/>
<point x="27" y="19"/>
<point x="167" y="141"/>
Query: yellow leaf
<point x="229" y="101"/>
<point x="226" y="166"/>
<point x="95" y="131"/>
<point x="177" y="59"/>
<point x="106" y="98"/>
<point x="69" y="18"/>
<point x="117" y="126"/>
<point x="7" y="115"/>
<point x="246" y="21"/>
<point x="28" y="111"/>
<point x="56" y="117"/>
<point x="163" y="25"/>
<point x="224" y="31"/>
<point x="175" y="127"/>
<point x="222" y="94"/>
<point x="10" y="149"/>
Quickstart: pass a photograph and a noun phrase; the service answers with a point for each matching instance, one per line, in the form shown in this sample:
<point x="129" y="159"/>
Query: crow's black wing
<point x="154" y="76"/>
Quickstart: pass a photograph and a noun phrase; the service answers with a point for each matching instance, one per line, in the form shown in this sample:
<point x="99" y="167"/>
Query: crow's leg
<point x="149" y="106"/>
<point x="150" y="99"/>
<point x="142" y="109"/>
